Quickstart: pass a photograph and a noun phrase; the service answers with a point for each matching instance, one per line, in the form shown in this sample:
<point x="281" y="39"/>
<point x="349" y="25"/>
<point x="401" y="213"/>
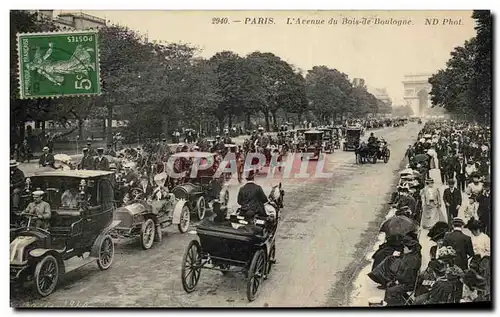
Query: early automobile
<point x="352" y="138"/>
<point x="204" y="186"/>
<point x="313" y="143"/>
<point x="147" y="216"/>
<point x="235" y="244"/>
<point x="327" y="140"/>
<point x="82" y="206"/>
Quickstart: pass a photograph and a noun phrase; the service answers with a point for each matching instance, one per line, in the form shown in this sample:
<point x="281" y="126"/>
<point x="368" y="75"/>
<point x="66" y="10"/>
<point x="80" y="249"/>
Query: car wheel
<point x="46" y="275"/>
<point x="106" y="253"/>
<point x="185" y="219"/>
<point x="200" y="208"/>
<point x="147" y="234"/>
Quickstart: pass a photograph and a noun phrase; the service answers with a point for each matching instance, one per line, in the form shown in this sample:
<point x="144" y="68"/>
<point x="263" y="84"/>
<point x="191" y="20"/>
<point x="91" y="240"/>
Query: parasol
<point x="420" y="158"/>
<point x="398" y="225"/>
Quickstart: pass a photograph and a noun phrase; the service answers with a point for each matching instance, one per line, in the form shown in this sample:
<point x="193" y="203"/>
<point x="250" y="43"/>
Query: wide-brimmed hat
<point x="457" y="221"/>
<point x="100" y="149"/>
<point x="409" y="242"/>
<point x="45" y="148"/>
<point x="473" y="224"/>
<point x="85" y="149"/>
<point x="14" y="163"/>
<point x="438" y="230"/>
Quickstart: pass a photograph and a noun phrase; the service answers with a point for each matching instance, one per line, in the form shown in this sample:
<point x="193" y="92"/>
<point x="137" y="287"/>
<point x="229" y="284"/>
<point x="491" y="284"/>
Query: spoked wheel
<point x="191" y="266"/>
<point x="46" y="275"/>
<point x="147" y="234"/>
<point x="272" y="259"/>
<point x="185" y="219"/>
<point x="106" y="253"/>
<point x="386" y="156"/>
<point x="374" y="159"/>
<point x="200" y="208"/>
<point x="256" y="274"/>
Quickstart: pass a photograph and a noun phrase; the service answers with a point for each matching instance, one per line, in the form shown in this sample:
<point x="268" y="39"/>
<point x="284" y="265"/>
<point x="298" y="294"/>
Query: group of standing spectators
<point x="444" y="254"/>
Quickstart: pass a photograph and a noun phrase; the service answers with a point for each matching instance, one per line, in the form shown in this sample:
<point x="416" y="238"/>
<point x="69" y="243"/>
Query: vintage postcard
<point x="250" y="158"/>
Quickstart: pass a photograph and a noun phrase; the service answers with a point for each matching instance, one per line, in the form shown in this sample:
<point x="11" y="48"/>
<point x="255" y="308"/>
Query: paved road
<point x="324" y="228"/>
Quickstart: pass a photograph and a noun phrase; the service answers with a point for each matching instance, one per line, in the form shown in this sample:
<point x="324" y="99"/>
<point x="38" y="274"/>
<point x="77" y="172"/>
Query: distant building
<point x="74" y="21"/>
<point x="417" y="90"/>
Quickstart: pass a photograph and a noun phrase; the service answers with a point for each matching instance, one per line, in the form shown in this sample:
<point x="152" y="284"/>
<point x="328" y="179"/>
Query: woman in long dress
<point x="431" y="205"/>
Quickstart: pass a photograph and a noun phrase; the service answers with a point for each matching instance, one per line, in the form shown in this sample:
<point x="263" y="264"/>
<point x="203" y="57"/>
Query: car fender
<point x="176" y="217"/>
<point x="17" y="247"/>
<point x="36" y="253"/>
<point x="94" y="252"/>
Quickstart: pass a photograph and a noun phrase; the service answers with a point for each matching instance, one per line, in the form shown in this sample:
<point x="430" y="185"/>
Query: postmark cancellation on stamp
<point x="58" y="64"/>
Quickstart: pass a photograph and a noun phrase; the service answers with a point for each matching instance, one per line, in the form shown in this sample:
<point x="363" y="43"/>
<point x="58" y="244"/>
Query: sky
<point x="381" y="54"/>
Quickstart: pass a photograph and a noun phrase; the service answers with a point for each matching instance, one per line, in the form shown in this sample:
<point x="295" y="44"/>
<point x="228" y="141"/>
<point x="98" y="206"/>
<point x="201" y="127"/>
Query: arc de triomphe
<point x="417" y="90"/>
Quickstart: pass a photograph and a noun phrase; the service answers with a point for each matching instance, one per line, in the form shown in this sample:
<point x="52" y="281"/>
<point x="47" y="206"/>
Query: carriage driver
<point x="252" y="198"/>
<point x="40" y="210"/>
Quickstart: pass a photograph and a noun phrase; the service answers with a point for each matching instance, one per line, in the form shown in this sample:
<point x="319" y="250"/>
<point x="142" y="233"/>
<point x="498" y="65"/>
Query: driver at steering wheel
<point x="40" y="210"/>
<point x="252" y="198"/>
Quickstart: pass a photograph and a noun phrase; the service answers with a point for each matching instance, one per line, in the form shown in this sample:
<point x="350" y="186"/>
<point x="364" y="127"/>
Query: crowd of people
<point x="437" y="243"/>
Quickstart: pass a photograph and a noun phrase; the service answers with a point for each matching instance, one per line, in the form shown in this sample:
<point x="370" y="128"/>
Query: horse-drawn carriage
<point x="235" y="244"/>
<point x="204" y="186"/>
<point x="327" y="139"/>
<point x="82" y="206"/>
<point x="313" y="143"/>
<point x="372" y="152"/>
<point x="352" y="138"/>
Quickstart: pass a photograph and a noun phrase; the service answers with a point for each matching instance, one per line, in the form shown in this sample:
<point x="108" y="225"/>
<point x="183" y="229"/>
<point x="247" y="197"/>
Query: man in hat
<point x="87" y="162"/>
<point x="484" y="207"/>
<point x="16" y="182"/>
<point x="146" y="188"/>
<point x="131" y="178"/>
<point x="252" y="198"/>
<point x="101" y="163"/>
<point x="460" y="173"/>
<point x="90" y="149"/>
<point x="460" y="242"/>
<point x="110" y="151"/>
<point x="431" y="205"/>
<point x="46" y="159"/>
<point x="40" y="210"/>
<point x="452" y="198"/>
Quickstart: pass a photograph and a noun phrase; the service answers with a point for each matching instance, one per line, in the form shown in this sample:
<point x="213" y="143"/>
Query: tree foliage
<point x="464" y="86"/>
<point x="160" y="88"/>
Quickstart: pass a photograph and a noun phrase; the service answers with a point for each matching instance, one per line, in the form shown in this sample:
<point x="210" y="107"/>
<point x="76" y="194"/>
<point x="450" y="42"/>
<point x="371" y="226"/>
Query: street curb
<point x="344" y="287"/>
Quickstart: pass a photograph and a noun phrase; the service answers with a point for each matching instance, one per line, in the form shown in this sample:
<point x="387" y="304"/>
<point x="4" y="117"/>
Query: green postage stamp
<point x="58" y="64"/>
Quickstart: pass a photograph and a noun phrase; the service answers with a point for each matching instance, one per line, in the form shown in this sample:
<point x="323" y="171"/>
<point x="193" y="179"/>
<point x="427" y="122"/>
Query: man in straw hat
<point x="40" y="210"/>
<point x="46" y="159"/>
<point x="16" y="182"/>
